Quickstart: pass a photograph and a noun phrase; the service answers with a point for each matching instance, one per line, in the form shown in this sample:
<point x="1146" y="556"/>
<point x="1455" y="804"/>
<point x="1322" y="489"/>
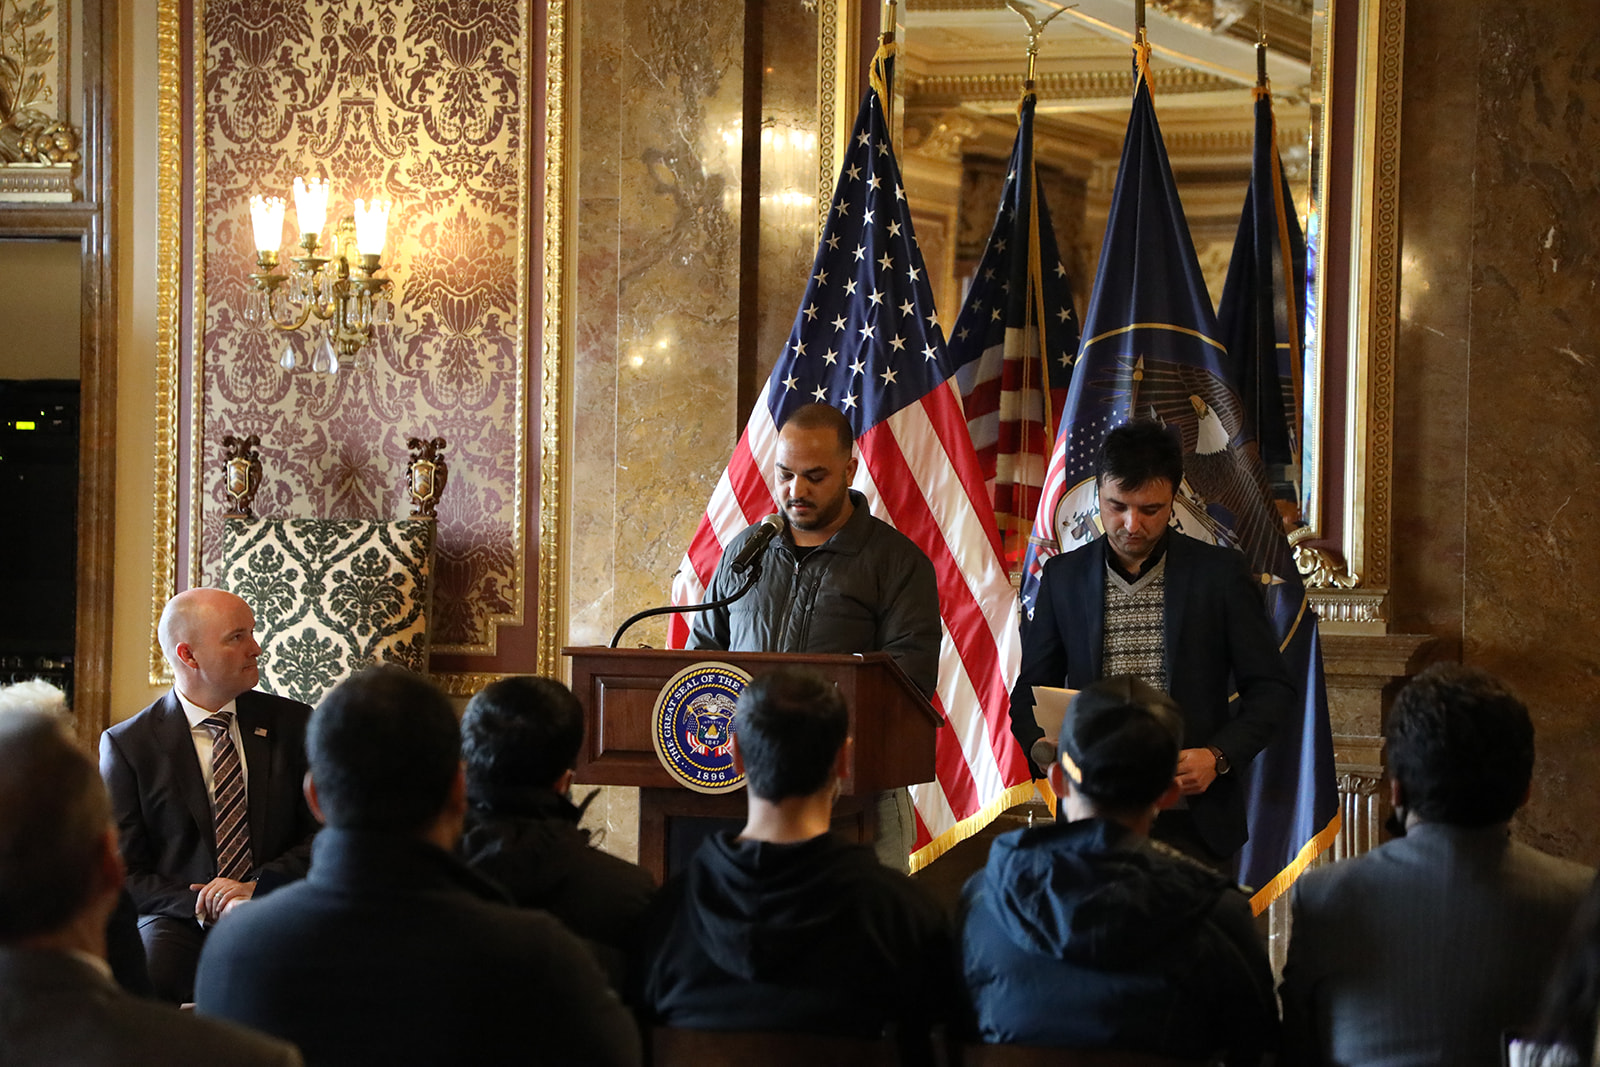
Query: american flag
<point x="1015" y="342"/>
<point x="867" y="341"/>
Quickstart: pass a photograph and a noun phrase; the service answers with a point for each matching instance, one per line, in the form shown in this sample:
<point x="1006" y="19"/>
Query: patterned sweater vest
<point x="1135" y="632"/>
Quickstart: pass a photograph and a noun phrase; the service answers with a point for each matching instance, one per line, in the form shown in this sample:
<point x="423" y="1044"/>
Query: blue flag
<point x="1293" y="796"/>
<point x="1014" y="344"/>
<point x="1152" y="349"/>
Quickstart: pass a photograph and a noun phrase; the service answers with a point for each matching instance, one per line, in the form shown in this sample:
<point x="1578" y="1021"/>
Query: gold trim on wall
<point x="169" y="233"/>
<point x="1375" y="266"/>
<point x="554" y="386"/>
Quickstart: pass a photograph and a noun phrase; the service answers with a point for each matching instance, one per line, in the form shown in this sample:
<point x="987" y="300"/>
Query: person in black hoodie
<point x="782" y="926"/>
<point x="519" y="739"/>
<point x="1087" y="934"/>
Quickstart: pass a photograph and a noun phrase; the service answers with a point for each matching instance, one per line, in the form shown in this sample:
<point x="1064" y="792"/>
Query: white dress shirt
<point x="202" y="742"/>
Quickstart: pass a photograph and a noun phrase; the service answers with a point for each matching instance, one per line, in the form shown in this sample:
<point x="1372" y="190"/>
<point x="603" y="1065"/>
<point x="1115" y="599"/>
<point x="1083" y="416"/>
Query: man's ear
<point x="1170" y="797"/>
<point x="310" y="787"/>
<point x="850" y="470"/>
<point x="455" y="804"/>
<point x="563" y="785"/>
<point x="109" y="868"/>
<point x="738" y="757"/>
<point x="1397" y="796"/>
<point x="1057" y="780"/>
<point x="841" y="762"/>
<point x="185" y="655"/>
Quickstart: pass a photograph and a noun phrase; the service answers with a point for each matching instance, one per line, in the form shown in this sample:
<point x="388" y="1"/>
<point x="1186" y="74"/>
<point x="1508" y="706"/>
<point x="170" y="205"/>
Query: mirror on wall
<point x="961" y="71"/>
<point x="40" y="298"/>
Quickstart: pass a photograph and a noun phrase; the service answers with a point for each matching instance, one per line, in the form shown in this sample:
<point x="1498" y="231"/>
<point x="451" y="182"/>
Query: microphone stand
<point x="752" y="575"/>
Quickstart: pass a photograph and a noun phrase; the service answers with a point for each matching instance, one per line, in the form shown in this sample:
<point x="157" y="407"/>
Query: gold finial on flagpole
<point x="1035" y="31"/>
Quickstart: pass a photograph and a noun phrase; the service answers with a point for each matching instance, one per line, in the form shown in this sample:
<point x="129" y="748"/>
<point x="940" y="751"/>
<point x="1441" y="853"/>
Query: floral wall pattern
<point x="426" y="103"/>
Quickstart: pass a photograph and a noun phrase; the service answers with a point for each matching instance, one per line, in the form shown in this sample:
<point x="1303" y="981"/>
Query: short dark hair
<point x="790" y="725"/>
<point x="1461" y="746"/>
<point x="822" y="417"/>
<point x="54" y="815"/>
<point x="1137" y="452"/>
<point x="519" y="734"/>
<point x="383" y="748"/>
<point x="1120" y="742"/>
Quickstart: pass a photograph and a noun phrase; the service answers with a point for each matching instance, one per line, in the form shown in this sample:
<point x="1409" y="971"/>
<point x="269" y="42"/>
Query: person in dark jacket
<point x="782" y="926"/>
<point x="392" y="950"/>
<point x="836" y="579"/>
<point x="1087" y="934"/>
<point x="520" y="739"/>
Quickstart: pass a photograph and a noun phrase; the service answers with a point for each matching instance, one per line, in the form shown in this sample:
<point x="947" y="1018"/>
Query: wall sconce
<point x="350" y="304"/>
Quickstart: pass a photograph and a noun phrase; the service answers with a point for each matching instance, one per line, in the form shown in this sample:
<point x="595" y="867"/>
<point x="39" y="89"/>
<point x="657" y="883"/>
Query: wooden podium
<point x="893" y="724"/>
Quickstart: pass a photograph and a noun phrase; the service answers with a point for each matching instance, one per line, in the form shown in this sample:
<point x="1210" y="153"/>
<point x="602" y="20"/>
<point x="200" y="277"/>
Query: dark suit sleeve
<point x="909" y="627"/>
<point x="1044" y="659"/>
<point x="1301" y="1043"/>
<point x="153" y="893"/>
<point x="293" y="861"/>
<point x="1266" y="695"/>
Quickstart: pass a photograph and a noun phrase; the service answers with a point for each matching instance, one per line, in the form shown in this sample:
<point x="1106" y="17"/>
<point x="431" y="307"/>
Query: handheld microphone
<point x="751" y="550"/>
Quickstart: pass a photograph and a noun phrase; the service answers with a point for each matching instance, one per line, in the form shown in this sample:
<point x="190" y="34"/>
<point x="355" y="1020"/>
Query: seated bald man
<point x="205" y="786"/>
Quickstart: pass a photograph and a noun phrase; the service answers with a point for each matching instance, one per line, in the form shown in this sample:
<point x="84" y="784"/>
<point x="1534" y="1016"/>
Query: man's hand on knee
<point x="216" y="896"/>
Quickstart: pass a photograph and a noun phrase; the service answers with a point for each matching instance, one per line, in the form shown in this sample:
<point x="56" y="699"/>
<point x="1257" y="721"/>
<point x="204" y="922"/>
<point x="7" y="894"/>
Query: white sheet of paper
<point x="1049" y="708"/>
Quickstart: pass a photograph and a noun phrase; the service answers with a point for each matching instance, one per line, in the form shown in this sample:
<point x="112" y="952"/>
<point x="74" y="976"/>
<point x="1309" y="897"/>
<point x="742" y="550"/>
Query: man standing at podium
<point x="833" y="579"/>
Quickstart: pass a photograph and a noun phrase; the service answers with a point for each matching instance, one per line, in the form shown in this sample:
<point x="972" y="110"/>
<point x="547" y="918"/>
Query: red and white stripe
<point x="919" y="474"/>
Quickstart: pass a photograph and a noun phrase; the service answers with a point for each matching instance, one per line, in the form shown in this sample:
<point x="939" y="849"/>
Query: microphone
<point x="751" y="550"/>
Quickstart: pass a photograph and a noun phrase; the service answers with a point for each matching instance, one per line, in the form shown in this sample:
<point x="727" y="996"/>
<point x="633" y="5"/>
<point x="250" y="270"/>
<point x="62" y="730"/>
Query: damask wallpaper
<point x="426" y="103"/>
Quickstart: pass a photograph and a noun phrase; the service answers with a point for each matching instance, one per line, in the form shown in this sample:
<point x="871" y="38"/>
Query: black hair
<point x="1137" y="452"/>
<point x="1120" y="742"/>
<point x="384" y="748"/>
<point x="823" y="417"/>
<point x="54" y="816"/>
<point x="790" y="725"/>
<point x="1461" y="746"/>
<point x="519" y="734"/>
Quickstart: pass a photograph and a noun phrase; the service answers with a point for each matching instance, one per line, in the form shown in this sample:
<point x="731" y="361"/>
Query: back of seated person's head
<point x="789" y="727"/>
<point x="35" y="695"/>
<point x="1119" y="745"/>
<point x="1460" y="745"/>
<point x="519" y="734"/>
<point x="55" y="821"/>
<point x="384" y="751"/>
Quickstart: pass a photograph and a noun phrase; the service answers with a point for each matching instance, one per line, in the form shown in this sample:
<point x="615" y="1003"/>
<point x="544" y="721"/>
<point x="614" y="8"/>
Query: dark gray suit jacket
<point x="1423" y="950"/>
<point x="158" y="798"/>
<point x="58" y="1011"/>
<point x="1218" y="639"/>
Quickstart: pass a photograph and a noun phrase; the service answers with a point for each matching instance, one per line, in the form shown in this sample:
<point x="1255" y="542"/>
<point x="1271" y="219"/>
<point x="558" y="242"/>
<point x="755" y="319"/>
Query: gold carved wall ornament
<point x="38" y="144"/>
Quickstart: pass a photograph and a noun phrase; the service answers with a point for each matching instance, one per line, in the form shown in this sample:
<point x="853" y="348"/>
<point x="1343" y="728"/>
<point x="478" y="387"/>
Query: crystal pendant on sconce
<point x="319" y="362"/>
<point x="287" y="361"/>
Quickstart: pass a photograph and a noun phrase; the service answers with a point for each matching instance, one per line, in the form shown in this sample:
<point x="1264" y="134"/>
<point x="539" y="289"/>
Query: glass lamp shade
<point x="372" y="224"/>
<point x="311" y="204"/>
<point x="266" y="220"/>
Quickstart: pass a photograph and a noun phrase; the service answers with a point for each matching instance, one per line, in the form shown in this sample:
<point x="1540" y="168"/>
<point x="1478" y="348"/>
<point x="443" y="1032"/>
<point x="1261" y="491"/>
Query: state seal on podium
<point x="692" y="726"/>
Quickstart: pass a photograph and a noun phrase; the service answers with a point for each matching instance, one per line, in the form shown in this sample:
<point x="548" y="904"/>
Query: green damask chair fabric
<point x="331" y="596"/>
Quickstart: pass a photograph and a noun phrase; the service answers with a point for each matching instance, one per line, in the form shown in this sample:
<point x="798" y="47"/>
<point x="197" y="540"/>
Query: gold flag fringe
<point x="971" y="825"/>
<point x="1280" y="885"/>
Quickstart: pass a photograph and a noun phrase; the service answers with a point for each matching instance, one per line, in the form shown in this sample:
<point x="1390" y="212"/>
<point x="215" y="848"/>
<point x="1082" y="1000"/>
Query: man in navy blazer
<point x="157" y="768"/>
<point x="1184" y="615"/>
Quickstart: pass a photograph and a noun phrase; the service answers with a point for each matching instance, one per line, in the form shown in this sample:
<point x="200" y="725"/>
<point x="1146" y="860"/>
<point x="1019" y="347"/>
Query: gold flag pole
<point x="1035" y="30"/>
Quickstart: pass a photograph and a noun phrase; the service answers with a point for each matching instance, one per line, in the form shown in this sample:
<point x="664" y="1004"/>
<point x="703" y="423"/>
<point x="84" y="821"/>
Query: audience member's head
<point x="1119" y="746"/>
<point x="36" y="695"/>
<point x="58" y="851"/>
<point x="520" y="734"/>
<point x="1137" y="453"/>
<point x="1460" y="747"/>
<point x="385" y="754"/>
<point x="208" y="635"/>
<point x="789" y="729"/>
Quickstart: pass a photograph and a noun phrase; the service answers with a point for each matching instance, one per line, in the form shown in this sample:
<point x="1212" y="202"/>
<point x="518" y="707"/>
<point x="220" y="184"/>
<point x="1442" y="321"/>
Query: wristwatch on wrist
<point x="1223" y="766"/>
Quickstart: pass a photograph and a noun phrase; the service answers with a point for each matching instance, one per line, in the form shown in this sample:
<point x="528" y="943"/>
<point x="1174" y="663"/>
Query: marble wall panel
<point x="1532" y="499"/>
<point x="1497" y="405"/>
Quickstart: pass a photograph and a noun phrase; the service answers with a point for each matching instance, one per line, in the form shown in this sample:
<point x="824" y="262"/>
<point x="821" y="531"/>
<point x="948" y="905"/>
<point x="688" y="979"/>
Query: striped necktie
<point x="231" y="810"/>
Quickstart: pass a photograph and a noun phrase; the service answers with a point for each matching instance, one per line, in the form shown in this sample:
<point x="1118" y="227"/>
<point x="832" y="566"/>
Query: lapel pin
<point x="261" y="731"/>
